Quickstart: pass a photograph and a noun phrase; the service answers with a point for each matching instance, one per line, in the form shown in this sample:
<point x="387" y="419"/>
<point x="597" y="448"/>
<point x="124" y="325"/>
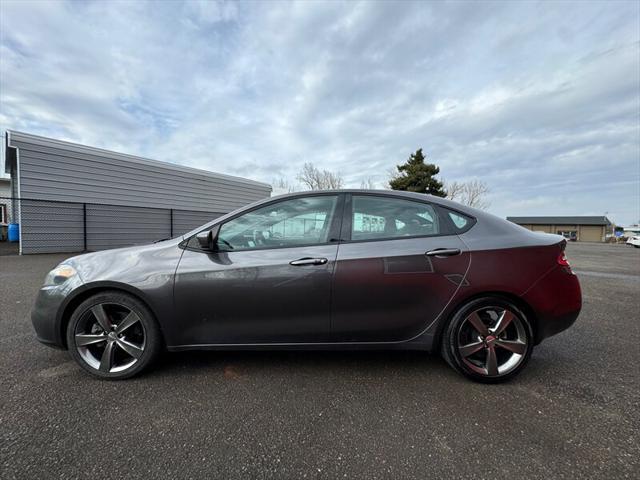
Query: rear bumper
<point x="556" y="300"/>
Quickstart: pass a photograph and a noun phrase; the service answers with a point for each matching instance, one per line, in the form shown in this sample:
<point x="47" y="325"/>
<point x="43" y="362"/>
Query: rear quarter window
<point x="457" y="222"/>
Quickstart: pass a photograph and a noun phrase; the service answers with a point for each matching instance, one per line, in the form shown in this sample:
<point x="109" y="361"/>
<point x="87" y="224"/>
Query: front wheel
<point x="489" y="340"/>
<point x="113" y="335"/>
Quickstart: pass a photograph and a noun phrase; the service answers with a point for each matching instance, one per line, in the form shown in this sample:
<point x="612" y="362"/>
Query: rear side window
<point x="457" y="222"/>
<point x="376" y="218"/>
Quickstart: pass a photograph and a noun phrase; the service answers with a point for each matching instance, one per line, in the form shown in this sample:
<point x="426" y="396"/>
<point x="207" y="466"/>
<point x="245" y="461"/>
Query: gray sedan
<point x="347" y="269"/>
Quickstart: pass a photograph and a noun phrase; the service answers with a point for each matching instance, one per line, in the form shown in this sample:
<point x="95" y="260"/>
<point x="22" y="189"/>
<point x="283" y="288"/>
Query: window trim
<point x="332" y="239"/>
<point x="444" y="221"/>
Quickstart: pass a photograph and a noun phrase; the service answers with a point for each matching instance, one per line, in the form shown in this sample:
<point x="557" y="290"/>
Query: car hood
<point x="132" y="265"/>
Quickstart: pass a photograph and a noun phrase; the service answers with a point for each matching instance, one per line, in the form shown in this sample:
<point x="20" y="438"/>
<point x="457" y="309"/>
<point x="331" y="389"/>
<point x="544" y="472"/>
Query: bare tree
<point x="472" y="193"/>
<point x="392" y="173"/>
<point x="282" y="185"/>
<point x="476" y="193"/>
<point x="454" y="190"/>
<point x="368" y="184"/>
<point x="315" y="179"/>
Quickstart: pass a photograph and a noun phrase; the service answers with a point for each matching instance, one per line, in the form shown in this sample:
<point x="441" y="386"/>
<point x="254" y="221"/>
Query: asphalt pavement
<point x="573" y="413"/>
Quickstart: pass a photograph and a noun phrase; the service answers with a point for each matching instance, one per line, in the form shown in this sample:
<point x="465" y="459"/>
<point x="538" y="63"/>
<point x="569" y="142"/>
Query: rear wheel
<point x="489" y="340"/>
<point x="113" y="335"/>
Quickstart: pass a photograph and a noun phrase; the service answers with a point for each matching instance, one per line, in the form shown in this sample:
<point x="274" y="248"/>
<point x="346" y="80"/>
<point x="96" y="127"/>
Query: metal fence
<point x="51" y="226"/>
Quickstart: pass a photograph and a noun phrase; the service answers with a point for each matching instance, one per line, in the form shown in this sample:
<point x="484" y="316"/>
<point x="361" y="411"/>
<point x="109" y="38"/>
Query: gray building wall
<point x="129" y="199"/>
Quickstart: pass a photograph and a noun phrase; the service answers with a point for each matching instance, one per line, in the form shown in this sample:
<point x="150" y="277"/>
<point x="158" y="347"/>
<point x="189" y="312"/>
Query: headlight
<point x="59" y="275"/>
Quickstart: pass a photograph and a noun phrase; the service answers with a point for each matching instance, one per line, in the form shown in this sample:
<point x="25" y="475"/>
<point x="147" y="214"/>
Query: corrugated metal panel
<point x="52" y="178"/>
<point x="185" y="221"/>
<point x="113" y="227"/>
<point x="54" y="170"/>
<point x="84" y="150"/>
<point x="77" y="177"/>
<point x="61" y="171"/>
<point x="51" y="227"/>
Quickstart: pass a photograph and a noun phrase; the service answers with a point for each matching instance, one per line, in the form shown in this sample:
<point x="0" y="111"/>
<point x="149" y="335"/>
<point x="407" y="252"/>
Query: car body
<point x="351" y="269"/>
<point x="635" y="241"/>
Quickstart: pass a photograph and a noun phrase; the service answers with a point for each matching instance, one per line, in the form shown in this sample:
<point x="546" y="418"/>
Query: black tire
<point x="117" y="304"/>
<point x="452" y="333"/>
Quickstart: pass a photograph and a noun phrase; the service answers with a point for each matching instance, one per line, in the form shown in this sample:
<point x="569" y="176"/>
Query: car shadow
<point x="355" y="365"/>
<point x="298" y="361"/>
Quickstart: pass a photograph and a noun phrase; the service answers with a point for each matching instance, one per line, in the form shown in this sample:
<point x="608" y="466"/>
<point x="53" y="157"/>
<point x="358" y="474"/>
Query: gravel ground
<point x="573" y="413"/>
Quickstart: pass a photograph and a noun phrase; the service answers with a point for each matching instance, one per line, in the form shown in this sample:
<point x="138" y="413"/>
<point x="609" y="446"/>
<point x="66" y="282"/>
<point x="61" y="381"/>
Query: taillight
<point x="563" y="261"/>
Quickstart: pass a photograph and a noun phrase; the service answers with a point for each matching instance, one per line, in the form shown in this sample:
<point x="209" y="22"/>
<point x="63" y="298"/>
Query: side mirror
<point x="208" y="240"/>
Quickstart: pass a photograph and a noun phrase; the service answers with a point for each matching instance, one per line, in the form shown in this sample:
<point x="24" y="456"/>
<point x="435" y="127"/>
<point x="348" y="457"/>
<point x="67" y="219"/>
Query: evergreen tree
<point x="417" y="176"/>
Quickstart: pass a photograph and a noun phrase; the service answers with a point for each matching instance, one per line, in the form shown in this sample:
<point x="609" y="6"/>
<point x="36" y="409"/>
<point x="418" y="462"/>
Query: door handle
<point x="443" y="252"/>
<point x="308" y="261"/>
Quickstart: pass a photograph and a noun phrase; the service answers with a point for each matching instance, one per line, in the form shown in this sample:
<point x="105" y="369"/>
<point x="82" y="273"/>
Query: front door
<point x="399" y="266"/>
<point x="269" y="281"/>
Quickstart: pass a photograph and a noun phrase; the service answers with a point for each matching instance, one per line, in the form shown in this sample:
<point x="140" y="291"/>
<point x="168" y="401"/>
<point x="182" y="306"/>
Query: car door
<point x="398" y="266"/>
<point x="269" y="280"/>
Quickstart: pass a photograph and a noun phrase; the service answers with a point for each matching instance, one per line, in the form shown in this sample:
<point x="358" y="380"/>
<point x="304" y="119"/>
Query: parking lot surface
<point x="573" y="413"/>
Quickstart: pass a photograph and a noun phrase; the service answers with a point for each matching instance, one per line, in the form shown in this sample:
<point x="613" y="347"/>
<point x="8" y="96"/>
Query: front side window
<point x="289" y="223"/>
<point x="376" y="217"/>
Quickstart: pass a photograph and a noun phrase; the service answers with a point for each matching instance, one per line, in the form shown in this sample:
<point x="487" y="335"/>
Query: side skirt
<point x="424" y="342"/>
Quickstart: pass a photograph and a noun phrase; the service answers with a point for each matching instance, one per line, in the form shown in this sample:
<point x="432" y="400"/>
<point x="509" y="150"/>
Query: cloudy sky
<point x="540" y="100"/>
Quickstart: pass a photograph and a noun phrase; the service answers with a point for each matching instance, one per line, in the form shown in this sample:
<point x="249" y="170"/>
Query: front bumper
<point x="556" y="300"/>
<point x="46" y="314"/>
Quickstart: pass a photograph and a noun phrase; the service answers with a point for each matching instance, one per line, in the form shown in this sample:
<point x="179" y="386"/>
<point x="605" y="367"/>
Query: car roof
<point x="424" y="197"/>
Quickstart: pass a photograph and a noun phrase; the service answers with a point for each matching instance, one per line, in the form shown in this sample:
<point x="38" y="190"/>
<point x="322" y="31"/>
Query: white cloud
<point x="540" y="100"/>
<point x="207" y="12"/>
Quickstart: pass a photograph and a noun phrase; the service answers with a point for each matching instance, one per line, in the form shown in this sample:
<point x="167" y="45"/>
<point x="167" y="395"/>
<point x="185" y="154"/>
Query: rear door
<point x="398" y="266"/>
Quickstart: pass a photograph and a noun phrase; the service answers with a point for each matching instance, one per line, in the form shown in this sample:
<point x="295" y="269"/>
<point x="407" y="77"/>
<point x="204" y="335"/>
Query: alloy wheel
<point x="492" y="341"/>
<point x="110" y="337"/>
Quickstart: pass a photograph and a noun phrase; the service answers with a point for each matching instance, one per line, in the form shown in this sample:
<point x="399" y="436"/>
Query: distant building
<point x="581" y="229"/>
<point x="76" y="198"/>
